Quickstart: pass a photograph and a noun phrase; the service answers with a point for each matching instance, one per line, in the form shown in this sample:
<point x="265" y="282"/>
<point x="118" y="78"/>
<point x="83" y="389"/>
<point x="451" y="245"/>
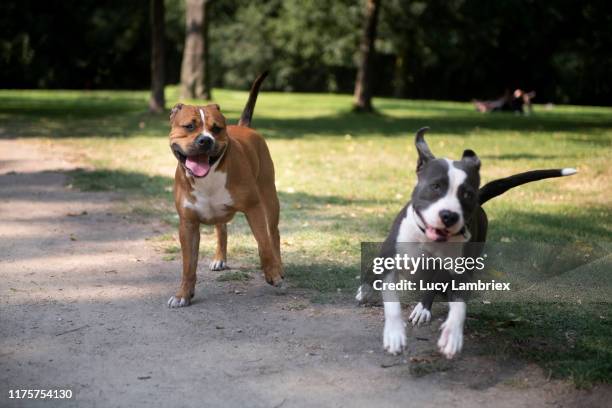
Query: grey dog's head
<point x="446" y="194"/>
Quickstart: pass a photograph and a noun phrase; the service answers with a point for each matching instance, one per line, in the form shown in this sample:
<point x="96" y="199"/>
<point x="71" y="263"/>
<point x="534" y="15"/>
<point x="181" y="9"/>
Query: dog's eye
<point x="468" y="195"/>
<point x="216" y="129"/>
<point x="435" y="187"/>
<point x="190" y="127"/>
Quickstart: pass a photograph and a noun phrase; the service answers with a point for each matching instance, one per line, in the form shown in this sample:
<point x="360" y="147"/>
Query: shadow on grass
<point x="460" y="124"/>
<point x="325" y="278"/>
<point x="305" y="200"/>
<point x="90" y="107"/>
<point x="124" y="124"/>
<point x="124" y="115"/>
<point x="126" y="181"/>
<point x="566" y="340"/>
<point x="141" y="183"/>
<point x="591" y="224"/>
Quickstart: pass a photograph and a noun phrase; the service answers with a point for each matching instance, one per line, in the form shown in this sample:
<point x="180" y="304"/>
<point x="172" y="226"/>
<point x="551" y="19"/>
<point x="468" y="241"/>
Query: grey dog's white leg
<point x="451" y="339"/>
<point x="394" y="334"/>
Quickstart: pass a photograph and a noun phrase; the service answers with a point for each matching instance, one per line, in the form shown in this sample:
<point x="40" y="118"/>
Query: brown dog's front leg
<point x="270" y="261"/>
<point x="189" y="235"/>
<point x="220" y="260"/>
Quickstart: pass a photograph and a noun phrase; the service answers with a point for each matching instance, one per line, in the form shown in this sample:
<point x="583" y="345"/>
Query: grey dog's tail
<point x="247" y="113"/>
<point x="500" y="186"/>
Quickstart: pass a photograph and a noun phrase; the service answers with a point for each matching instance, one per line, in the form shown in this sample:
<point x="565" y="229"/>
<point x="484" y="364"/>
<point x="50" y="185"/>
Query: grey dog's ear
<point x="421" y="145"/>
<point x="174" y="110"/>
<point x="470" y="156"/>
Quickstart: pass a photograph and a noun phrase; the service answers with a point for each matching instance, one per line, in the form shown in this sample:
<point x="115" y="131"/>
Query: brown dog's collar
<point x="217" y="158"/>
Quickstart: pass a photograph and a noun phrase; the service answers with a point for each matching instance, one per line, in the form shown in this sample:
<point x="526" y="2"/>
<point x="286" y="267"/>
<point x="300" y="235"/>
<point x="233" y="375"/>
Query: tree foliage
<point x="450" y="49"/>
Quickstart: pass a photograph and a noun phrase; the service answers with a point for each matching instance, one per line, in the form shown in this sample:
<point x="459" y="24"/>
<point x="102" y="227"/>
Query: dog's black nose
<point x="449" y="218"/>
<point x="204" y="141"/>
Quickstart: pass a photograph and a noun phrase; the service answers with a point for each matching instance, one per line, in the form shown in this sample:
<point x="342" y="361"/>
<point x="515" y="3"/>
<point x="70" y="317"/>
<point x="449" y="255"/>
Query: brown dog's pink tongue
<point x="198" y="165"/>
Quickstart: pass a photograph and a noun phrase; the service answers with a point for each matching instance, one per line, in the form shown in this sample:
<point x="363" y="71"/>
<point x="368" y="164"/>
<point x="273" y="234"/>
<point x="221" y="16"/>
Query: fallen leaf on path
<point x="76" y="214"/>
<point x="421" y="359"/>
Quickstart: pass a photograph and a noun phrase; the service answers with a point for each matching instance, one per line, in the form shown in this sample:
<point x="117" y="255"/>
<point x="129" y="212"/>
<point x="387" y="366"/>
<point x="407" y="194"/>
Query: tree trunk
<point x="157" y="101"/>
<point x="195" y="79"/>
<point x="362" y="98"/>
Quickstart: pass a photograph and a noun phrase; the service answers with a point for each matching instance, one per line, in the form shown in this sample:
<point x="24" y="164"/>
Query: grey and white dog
<point x="446" y="206"/>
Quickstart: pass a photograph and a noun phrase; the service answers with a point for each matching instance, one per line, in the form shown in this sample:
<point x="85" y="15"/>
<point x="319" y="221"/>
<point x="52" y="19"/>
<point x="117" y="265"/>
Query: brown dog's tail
<point x="247" y="113"/>
<point x="498" y="187"/>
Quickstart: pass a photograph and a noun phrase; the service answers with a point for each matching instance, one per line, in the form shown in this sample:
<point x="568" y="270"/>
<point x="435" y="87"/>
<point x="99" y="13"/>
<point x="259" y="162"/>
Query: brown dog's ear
<point x="214" y="105"/>
<point x="174" y="110"/>
<point x="471" y="157"/>
<point x="422" y="148"/>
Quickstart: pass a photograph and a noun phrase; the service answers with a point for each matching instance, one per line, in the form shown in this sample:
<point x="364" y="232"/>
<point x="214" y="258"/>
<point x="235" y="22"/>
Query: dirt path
<point x="83" y="295"/>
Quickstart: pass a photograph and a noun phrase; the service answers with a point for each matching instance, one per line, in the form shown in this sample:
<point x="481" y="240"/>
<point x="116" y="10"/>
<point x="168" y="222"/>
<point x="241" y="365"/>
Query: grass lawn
<point x="343" y="177"/>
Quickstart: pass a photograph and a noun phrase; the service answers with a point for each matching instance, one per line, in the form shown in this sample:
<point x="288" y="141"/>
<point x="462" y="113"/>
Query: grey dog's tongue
<point x="198" y="165"/>
<point x="435" y="235"/>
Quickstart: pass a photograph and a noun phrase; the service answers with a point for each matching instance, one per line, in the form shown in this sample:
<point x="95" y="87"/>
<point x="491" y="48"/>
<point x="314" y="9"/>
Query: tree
<point x="195" y="78"/>
<point x="362" y="98"/>
<point x="157" y="101"/>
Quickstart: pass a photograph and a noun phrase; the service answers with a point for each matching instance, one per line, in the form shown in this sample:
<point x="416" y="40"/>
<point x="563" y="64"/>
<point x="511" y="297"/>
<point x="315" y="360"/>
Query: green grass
<point x="234" y="276"/>
<point x="342" y="177"/>
<point x="567" y="341"/>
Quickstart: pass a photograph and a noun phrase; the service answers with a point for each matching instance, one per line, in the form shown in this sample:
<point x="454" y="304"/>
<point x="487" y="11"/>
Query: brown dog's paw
<point x="274" y="275"/>
<point x="278" y="282"/>
<point x="280" y="286"/>
<point x="275" y="280"/>
<point x="175" y="301"/>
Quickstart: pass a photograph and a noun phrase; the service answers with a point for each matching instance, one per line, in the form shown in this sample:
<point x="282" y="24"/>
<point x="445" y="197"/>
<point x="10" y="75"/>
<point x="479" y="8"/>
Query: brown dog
<point x="221" y="170"/>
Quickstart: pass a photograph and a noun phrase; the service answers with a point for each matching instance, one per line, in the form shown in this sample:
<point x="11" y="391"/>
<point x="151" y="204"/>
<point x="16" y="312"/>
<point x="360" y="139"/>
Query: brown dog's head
<point x="198" y="136"/>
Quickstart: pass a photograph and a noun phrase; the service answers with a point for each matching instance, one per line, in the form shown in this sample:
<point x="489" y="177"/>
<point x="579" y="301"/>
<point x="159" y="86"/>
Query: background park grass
<point x="343" y="177"/>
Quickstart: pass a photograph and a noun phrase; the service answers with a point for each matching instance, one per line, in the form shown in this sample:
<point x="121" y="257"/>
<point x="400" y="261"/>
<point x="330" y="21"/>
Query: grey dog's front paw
<point x="451" y="339"/>
<point x="394" y="336"/>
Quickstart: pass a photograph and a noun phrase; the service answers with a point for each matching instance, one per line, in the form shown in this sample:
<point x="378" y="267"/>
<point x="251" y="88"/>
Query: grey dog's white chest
<point x="211" y="196"/>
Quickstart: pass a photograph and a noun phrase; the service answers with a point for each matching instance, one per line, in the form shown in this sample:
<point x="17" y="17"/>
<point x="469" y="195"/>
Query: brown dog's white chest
<point x="210" y="198"/>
